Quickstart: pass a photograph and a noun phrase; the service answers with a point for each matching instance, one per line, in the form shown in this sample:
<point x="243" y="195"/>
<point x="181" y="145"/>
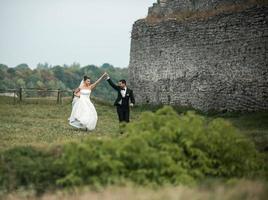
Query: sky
<point x="66" y="31"/>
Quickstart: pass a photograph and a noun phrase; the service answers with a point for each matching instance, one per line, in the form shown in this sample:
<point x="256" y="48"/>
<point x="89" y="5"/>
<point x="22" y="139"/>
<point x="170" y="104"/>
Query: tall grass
<point x="240" y="190"/>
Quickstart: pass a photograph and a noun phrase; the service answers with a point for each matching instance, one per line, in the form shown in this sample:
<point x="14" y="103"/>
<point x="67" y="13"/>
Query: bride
<point x="84" y="114"/>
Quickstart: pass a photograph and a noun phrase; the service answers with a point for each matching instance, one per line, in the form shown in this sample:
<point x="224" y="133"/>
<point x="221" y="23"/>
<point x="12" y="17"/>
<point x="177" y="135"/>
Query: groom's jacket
<point x="122" y="101"/>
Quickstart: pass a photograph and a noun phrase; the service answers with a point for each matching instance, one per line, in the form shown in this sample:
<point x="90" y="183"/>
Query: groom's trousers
<point x="123" y="113"/>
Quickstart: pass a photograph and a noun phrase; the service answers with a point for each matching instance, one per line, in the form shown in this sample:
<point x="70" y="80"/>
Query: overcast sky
<point x="66" y="31"/>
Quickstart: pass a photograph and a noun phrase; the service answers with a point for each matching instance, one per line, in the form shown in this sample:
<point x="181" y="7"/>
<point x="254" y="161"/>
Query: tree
<point x="58" y="72"/>
<point x="3" y="67"/>
<point x="21" y="83"/>
<point x="40" y="84"/>
<point x="22" y="66"/>
<point x="44" y="66"/>
<point x="106" y="66"/>
<point x="11" y="71"/>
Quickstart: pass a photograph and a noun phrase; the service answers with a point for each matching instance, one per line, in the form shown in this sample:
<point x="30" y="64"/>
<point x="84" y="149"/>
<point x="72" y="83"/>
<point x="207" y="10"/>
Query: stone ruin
<point x="205" y="54"/>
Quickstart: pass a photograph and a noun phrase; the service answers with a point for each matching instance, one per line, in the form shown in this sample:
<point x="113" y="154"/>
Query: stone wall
<point x="214" y="64"/>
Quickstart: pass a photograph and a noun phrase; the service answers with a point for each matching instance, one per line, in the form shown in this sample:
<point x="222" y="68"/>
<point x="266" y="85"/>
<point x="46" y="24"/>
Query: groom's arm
<point x="112" y="84"/>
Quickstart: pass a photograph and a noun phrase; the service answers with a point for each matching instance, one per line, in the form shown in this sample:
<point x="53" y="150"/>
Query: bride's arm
<point x="77" y="92"/>
<point x="92" y="86"/>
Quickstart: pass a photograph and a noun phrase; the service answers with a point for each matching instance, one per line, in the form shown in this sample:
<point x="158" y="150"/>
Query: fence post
<point x="14" y="96"/>
<point x="59" y="97"/>
<point x="20" y="94"/>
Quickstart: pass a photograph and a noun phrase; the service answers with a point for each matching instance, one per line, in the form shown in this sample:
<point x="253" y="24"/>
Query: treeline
<point x="59" y="77"/>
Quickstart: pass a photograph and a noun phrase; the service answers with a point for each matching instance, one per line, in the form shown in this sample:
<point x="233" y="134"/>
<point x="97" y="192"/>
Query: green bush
<point x="164" y="147"/>
<point x="159" y="148"/>
<point x="93" y="162"/>
<point x="200" y="147"/>
<point x="27" y="167"/>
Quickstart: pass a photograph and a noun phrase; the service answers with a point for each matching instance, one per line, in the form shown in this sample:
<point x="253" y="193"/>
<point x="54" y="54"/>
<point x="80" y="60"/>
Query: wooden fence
<point x="21" y="94"/>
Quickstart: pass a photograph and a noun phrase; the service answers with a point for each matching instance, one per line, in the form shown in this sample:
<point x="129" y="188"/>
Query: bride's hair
<point x="86" y="77"/>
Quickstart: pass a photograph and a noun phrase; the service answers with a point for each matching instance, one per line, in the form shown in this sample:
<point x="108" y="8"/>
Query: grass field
<point x="44" y="124"/>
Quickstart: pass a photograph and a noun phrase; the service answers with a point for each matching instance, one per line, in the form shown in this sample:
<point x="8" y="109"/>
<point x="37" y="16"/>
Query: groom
<point x="125" y="98"/>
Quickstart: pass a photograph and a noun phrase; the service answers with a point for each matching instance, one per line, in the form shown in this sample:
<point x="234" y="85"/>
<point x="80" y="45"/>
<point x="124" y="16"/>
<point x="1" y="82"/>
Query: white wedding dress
<point x="83" y="114"/>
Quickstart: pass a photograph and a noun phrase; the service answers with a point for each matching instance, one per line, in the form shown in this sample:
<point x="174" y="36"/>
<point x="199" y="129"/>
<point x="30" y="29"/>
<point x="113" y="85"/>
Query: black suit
<point x="122" y="103"/>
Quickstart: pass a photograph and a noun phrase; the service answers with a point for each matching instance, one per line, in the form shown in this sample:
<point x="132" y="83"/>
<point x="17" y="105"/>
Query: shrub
<point x="27" y="167"/>
<point x="200" y="147"/>
<point x="93" y="162"/>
